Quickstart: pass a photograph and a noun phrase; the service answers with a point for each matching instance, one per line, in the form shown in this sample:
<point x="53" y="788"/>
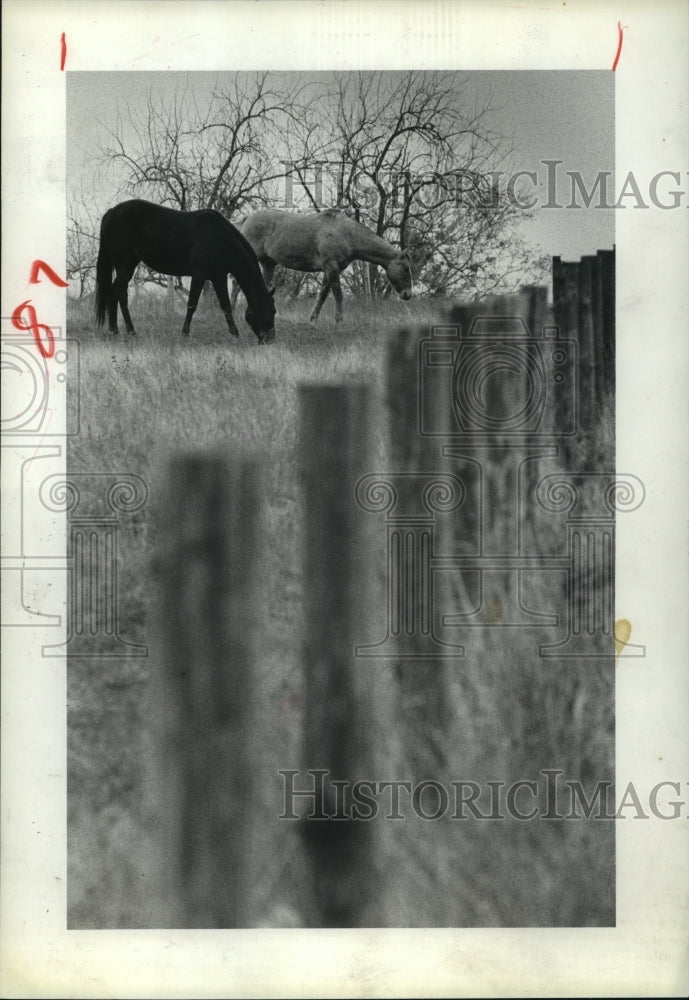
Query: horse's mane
<point x="243" y="242"/>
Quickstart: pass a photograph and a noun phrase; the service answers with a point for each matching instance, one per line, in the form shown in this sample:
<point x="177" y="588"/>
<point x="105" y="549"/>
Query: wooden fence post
<point x="425" y="715"/>
<point x="415" y="456"/>
<point x="588" y="376"/>
<point x="606" y="265"/>
<point x="566" y="317"/>
<point x="504" y="384"/>
<point x="536" y="297"/>
<point x="584" y="309"/>
<point x="203" y="686"/>
<point x="339" y="734"/>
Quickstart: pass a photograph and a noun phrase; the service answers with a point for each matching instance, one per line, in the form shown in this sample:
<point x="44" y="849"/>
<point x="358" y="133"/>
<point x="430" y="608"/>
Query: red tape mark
<point x="40" y="265"/>
<point x="620" y="32"/>
<point x="36" y="327"/>
<point x="63" y="50"/>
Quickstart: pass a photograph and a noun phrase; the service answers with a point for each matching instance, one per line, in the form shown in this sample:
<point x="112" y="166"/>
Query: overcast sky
<point x="548" y="115"/>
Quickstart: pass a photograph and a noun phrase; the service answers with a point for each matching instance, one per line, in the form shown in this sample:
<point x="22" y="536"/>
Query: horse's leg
<point x="220" y="286"/>
<point x="322" y="296"/>
<point x="123" y="275"/>
<point x="195" y="290"/>
<point x="337" y="295"/>
<point x="112" y="309"/>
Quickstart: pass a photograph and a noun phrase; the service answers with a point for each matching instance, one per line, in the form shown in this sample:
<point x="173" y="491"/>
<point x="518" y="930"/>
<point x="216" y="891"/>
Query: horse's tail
<point x="103" y="280"/>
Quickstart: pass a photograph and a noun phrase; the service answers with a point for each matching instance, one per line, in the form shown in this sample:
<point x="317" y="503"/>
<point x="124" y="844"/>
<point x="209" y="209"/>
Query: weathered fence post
<point x="606" y="269"/>
<point x="586" y="335"/>
<point x="417" y="458"/>
<point x="423" y="697"/>
<point x="534" y="303"/>
<point x="566" y="312"/>
<point x="502" y="384"/>
<point x="203" y="686"/>
<point x="339" y="734"/>
<point x="584" y="309"/>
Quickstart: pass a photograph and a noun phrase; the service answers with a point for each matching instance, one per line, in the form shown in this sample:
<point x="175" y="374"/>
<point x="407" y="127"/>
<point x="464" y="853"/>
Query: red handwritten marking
<point x="40" y="265"/>
<point x="36" y="327"/>
<point x="63" y="50"/>
<point x="46" y="349"/>
<point x="620" y="32"/>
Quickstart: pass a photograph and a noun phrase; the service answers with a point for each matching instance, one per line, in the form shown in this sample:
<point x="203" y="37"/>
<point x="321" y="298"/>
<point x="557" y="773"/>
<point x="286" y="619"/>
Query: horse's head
<point x="261" y="317"/>
<point x="399" y="274"/>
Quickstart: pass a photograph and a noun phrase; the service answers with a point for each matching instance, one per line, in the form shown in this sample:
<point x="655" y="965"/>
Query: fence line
<point x="209" y="590"/>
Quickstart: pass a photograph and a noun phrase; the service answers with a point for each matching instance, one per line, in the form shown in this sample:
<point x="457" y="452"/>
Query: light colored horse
<point x="324" y="241"/>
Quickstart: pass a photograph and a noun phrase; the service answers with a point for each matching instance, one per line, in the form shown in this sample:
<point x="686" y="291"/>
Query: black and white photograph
<point x="344" y="470"/>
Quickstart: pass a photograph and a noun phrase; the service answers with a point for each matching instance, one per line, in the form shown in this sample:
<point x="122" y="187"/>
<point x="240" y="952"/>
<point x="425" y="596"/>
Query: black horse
<point x="202" y="245"/>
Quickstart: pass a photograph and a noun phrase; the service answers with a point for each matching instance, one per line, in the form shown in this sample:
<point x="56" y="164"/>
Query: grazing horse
<point x="325" y="241"/>
<point x="202" y="245"/>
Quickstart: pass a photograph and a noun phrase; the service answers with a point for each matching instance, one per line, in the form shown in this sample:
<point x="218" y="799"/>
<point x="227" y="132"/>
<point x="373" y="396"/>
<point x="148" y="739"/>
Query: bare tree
<point x="410" y="156"/>
<point x="191" y="151"/>
<point x="83" y="220"/>
<point x="214" y="150"/>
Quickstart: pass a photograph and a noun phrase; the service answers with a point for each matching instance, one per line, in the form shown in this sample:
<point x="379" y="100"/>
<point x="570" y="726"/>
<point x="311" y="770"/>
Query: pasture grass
<point x="147" y="397"/>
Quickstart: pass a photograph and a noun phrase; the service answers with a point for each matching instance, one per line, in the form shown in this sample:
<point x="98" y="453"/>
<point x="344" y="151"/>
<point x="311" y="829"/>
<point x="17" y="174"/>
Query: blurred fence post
<point x="203" y="687"/>
<point x="606" y="270"/>
<point x="534" y="306"/>
<point x="339" y="732"/>
<point x="584" y="309"/>
<point x="501" y="383"/>
<point x="424" y="700"/>
<point x="422" y="684"/>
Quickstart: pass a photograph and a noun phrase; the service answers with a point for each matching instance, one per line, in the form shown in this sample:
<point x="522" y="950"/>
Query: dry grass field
<point x="145" y="398"/>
